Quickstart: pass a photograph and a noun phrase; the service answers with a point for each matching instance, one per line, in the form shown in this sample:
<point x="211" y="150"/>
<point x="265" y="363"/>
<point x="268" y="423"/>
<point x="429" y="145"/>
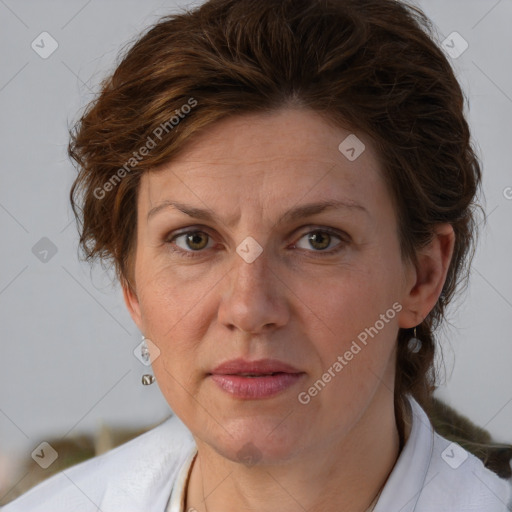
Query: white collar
<point x="408" y="477"/>
<point x="177" y="499"/>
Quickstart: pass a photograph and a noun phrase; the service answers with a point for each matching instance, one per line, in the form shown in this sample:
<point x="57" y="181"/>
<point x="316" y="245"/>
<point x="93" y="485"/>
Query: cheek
<point x="352" y="316"/>
<point x="166" y="295"/>
<point x="355" y="349"/>
<point x="343" y="302"/>
<point x="175" y="316"/>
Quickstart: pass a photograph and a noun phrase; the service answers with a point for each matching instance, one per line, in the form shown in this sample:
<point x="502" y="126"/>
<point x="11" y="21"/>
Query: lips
<point x="260" y="367"/>
<point x="264" y="378"/>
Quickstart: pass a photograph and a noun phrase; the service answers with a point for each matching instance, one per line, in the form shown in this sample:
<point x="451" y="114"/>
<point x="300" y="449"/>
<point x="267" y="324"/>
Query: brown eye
<point x="193" y="240"/>
<point x="319" y="240"/>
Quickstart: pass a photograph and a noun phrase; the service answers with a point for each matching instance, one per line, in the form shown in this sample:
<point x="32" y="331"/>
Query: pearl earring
<point x="414" y="344"/>
<point x="147" y="379"/>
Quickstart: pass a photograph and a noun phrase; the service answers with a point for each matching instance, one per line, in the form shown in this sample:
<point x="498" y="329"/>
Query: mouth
<point x="256" y="374"/>
<point x="254" y="368"/>
<point x="260" y="379"/>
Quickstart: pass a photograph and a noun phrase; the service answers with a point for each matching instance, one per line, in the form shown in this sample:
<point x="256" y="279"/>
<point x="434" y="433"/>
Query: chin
<point x="256" y="441"/>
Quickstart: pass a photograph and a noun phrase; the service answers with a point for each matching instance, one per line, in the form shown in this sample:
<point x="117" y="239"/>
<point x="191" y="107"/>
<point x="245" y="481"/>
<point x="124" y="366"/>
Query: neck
<point x="343" y="476"/>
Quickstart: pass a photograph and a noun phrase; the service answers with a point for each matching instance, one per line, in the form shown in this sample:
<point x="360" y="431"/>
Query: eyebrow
<point x="305" y="210"/>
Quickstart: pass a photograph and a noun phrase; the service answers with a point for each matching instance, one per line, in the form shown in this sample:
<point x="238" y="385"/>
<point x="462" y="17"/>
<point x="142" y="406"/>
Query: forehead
<point x="263" y="158"/>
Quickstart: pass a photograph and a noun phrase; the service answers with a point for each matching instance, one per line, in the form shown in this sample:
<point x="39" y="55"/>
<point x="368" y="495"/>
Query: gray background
<point x="66" y="363"/>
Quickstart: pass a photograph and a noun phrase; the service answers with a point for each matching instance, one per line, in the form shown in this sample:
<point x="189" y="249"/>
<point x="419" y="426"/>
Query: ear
<point x="425" y="281"/>
<point x="132" y="303"/>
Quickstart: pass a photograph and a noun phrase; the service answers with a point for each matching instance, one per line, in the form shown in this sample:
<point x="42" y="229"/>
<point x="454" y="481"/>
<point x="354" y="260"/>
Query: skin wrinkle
<point x="287" y="304"/>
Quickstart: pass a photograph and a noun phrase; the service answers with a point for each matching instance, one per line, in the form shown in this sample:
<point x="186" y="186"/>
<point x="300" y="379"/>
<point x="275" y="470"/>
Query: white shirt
<point x="149" y="473"/>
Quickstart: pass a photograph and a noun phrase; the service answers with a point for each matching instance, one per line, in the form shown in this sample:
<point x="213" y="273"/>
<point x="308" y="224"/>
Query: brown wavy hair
<point x="372" y="65"/>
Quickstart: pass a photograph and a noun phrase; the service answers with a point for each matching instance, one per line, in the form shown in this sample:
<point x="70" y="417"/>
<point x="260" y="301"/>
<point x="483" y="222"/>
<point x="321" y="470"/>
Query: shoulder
<point x="455" y="479"/>
<point x="433" y="474"/>
<point x="460" y="481"/>
<point x="136" y="476"/>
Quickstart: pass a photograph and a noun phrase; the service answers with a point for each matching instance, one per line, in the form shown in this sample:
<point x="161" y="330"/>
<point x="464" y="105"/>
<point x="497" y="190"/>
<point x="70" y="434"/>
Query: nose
<point x="254" y="300"/>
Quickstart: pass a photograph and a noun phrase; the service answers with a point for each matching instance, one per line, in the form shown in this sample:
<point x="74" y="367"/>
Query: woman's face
<point x="262" y="275"/>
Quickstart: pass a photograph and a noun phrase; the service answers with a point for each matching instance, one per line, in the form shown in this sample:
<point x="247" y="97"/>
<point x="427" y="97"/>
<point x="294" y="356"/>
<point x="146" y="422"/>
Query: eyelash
<point x="194" y="254"/>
